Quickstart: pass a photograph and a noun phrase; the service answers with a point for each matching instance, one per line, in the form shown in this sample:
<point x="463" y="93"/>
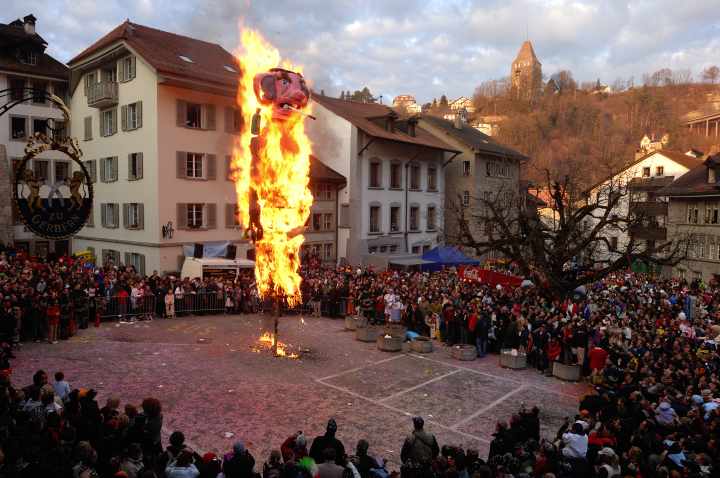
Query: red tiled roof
<point x="13" y="36"/>
<point x="694" y="182"/>
<point x="320" y="171"/>
<point x="163" y="50"/>
<point x="360" y="115"/>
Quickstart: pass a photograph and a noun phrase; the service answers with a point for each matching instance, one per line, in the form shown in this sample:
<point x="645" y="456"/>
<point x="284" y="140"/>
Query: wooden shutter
<point x="114" y="163"/>
<point x="181" y="113"/>
<point x="228" y="168"/>
<point x="121" y="73"/>
<point x="211" y="166"/>
<point x="181" y="219"/>
<point x="211" y="215"/>
<point x="116" y="215"/>
<point x="141" y="216"/>
<point x="209" y="117"/>
<point x="88" y="128"/>
<point x="103" y="172"/>
<point x="91" y="218"/>
<point x="124" y="117"/>
<point x="93" y="170"/>
<point x="130" y="173"/>
<point x="127" y="259"/>
<point x="228" y="119"/>
<point x="181" y="164"/>
<point x="141" y="264"/>
<point x="103" y="215"/>
<point x="139" y="166"/>
<point x="131" y="75"/>
<point x="126" y="215"/>
<point x="138" y="114"/>
<point x="114" y="120"/>
<point x="229" y="213"/>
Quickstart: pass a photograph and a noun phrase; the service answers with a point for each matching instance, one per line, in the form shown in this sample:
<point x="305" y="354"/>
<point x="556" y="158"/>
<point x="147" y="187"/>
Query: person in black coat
<point x="328" y="440"/>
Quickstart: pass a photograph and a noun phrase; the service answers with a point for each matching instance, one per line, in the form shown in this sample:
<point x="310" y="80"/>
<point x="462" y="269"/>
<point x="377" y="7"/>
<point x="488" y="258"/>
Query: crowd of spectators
<point x="647" y="347"/>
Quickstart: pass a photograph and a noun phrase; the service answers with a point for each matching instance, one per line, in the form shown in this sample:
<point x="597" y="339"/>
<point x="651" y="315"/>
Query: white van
<point x="209" y="267"/>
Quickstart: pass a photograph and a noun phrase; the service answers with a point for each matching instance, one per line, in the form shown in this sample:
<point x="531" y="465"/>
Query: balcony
<point x="103" y="95"/>
<point x="650" y="183"/>
<point x="649" y="208"/>
<point x="649" y="233"/>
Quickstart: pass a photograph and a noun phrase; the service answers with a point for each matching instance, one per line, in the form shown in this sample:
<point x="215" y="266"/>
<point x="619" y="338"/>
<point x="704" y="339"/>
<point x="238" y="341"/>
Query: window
<point x="372" y="250"/>
<point x="28" y="57"/>
<point x="109" y="169"/>
<point x="59" y="129"/>
<point x="431" y="218"/>
<point x="91" y="166"/>
<point x="714" y="217"/>
<point x="17" y="86"/>
<point x="41" y="169"/>
<point x="323" y="192"/>
<point x="432" y="179"/>
<point x="393" y="249"/>
<point x="135" y="166"/>
<point x="375" y="175"/>
<point x="659" y="171"/>
<point x="110" y="215"/>
<point x="18" y="128"/>
<point x="109" y="75"/>
<point x="613" y="243"/>
<point x="414" y="177"/>
<point x="375" y="219"/>
<point x="126" y="67"/>
<point x="136" y="261"/>
<point x="233" y="120"/>
<point x="88" y="128"/>
<point x="328" y="251"/>
<point x="316" y="222"/>
<point x="416" y="249"/>
<point x="383" y="249"/>
<point x="132" y="116"/>
<point x="693" y="214"/>
<point x="110" y="256"/>
<point x="40" y="126"/>
<point x="90" y="80"/>
<point x="133" y="215"/>
<point x="62" y="171"/>
<point x="61" y="91"/>
<point x="186" y="59"/>
<point x="40" y="88"/>
<point x="194" y="166"/>
<point x="466" y="198"/>
<point x="646" y="172"/>
<point x="108" y="122"/>
<point x="194" y="116"/>
<point x="394" y="218"/>
<point x="701" y="249"/>
<point x="395" y="176"/>
<point x="414" y="218"/>
<point x="195" y="215"/>
<point x="328" y="222"/>
<point x="466" y="168"/>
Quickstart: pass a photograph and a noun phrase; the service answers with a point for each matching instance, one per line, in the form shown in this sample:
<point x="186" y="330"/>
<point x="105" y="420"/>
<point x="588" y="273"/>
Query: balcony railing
<point x="649" y="208"/>
<point x="649" y="233"/>
<point x="103" y="94"/>
<point x="650" y="183"/>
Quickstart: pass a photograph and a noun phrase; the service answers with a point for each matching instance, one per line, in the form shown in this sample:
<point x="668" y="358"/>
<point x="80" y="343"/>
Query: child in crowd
<point x="61" y="386"/>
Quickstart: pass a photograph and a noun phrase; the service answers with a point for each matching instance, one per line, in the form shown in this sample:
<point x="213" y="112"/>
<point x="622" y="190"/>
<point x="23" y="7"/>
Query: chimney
<point x="458" y="121"/>
<point x="29" y="24"/>
<point x="412" y="123"/>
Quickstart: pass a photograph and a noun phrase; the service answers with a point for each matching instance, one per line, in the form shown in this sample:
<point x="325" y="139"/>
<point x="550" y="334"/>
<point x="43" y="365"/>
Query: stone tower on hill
<point x="526" y="74"/>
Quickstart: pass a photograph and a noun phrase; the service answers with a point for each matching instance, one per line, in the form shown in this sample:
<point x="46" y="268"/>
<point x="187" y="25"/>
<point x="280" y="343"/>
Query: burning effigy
<point x="272" y="161"/>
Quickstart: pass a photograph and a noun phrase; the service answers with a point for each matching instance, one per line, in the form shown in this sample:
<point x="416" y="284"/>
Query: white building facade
<point x="393" y="201"/>
<point x="156" y="118"/>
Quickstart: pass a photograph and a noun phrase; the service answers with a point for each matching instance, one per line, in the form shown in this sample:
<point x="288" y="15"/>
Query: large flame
<point x="280" y="178"/>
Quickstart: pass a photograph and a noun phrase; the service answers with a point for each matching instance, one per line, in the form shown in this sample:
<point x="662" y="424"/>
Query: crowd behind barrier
<point x="649" y="348"/>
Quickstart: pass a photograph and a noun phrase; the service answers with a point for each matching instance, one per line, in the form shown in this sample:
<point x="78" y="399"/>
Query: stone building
<point x="526" y="74"/>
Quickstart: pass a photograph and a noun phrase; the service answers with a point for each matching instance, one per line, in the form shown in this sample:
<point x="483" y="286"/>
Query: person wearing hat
<point x="419" y="450"/>
<point x="239" y="463"/>
<point x="328" y="440"/>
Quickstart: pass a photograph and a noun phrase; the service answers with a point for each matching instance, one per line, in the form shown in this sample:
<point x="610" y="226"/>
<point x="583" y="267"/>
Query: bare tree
<point x="711" y="74"/>
<point x="570" y="243"/>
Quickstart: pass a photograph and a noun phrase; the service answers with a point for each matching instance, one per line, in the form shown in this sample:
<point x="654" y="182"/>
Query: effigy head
<point x="285" y="90"/>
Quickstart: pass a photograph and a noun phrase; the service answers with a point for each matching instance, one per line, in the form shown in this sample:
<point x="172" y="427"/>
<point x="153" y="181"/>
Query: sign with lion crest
<point x="53" y="210"/>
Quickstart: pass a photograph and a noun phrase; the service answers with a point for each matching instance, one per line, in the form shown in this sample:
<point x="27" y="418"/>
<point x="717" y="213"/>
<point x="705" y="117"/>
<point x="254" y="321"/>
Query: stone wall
<point x="6" y="199"/>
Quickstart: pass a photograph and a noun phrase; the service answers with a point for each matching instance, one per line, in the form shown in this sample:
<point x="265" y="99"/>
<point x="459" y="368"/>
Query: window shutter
<point x="91" y="218"/>
<point x="139" y="166"/>
<point x="127" y="259"/>
<point x="141" y="216"/>
<point x="181" y="113"/>
<point x="124" y="117"/>
<point x="121" y="70"/>
<point x="116" y="215"/>
<point x="210" y="116"/>
<point x="138" y="113"/>
<point x="126" y="215"/>
<point x="211" y="166"/>
<point x="131" y="75"/>
<point x="88" y="128"/>
<point x="130" y="173"/>
<point x="141" y="264"/>
<point x="114" y="120"/>
<point x="228" y="168"/>
<point x="181" y="219"/>
<point x="93" y="170"/>
<point x="103" y="173"/>
<point x="211" y="216"/>
<point x="228" y="119"/>
<point x="103" y="215"/>
<point x="229" y="211"/>
<point x="181" y="164"/>
<point x="114" y="163"/>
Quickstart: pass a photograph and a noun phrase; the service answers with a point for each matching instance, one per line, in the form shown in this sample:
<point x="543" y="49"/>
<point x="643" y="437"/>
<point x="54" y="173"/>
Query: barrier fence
<point x="123" y="307"/>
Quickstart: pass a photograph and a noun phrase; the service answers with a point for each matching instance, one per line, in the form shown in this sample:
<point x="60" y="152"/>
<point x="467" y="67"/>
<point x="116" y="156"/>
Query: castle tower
<point x="526" y="73"/>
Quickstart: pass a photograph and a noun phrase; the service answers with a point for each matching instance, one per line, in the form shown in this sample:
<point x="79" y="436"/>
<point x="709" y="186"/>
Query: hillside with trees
<point x="587" y="131"/>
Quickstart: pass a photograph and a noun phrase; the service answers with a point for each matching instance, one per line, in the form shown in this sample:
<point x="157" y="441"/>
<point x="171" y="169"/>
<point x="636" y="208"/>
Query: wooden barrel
<point x="465" y="353"/>
<point x="570" y="373"/>
<point x="389" y="344"/>
<point x="395" y="330"/>
<point x="367" y="334"/>
<point x="421" y="345"/>
<point x="512" y="361"/>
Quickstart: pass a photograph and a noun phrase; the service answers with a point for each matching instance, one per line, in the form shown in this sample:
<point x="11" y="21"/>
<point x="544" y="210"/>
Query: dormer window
<point x="230" y="69"/>
<point x="185" y="59"/>
<point x="28" y="57"/>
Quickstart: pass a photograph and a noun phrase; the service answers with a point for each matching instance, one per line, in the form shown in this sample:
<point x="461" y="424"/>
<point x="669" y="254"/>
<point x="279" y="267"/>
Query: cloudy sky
<point x="422" y="47"/>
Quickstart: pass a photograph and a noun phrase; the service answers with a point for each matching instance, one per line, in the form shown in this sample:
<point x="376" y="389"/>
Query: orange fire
<point x="268" y="340"/>
<point x="280" y="177"/>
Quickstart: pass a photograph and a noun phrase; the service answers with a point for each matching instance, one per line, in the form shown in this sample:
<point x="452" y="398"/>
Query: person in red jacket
<point x="53" y="314"/>
<point x="597" y="357"/>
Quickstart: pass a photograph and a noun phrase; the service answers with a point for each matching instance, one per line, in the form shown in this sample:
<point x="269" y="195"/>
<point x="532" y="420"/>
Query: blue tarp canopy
<point x="444" y="256"/>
